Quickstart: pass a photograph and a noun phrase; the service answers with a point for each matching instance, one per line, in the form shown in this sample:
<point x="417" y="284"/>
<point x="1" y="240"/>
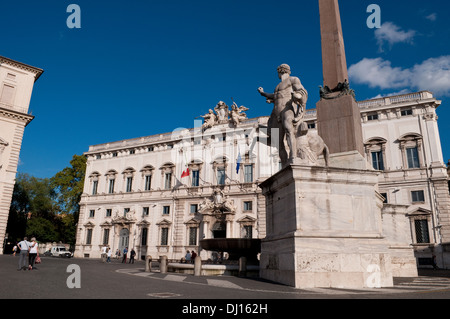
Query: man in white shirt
<point x="24" y="245"/>
<point x="103" y="254"/>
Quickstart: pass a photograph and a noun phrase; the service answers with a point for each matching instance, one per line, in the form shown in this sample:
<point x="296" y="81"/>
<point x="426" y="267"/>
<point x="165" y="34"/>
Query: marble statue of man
<point x="289" y="101"/>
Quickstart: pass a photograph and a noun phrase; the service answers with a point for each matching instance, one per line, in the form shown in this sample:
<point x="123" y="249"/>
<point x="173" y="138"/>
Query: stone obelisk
<point x="338" y="114"/>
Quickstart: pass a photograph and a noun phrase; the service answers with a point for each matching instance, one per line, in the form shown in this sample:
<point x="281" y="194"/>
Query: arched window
<point x="128" y="175"/>
<point x="376" y="152"/>
<point x="111" y="180"/>
<point x="411" y="149"/>
<point x="167" y="171"/>
<point x="147" y="173"/>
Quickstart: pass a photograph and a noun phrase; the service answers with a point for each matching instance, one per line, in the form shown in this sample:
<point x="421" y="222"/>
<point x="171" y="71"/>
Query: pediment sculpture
<point x="222" y="114"/>
<point x="218" y="203"/>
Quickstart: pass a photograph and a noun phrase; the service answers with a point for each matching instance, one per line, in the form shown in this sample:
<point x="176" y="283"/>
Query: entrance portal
<point x="124" y="238"/>
<point x="219" y="230"/>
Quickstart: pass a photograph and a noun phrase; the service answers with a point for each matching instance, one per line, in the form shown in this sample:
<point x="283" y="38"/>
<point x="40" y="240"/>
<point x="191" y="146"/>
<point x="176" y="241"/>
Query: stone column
<point x="333" y="50"/>
<point x="338" y="115"/>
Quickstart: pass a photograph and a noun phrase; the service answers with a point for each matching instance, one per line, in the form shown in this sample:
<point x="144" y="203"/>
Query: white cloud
<point x="392" y="34"/>
<point x="432" y="17"/>
<point x="379" y="73"/>
<point x="432" y="75"/>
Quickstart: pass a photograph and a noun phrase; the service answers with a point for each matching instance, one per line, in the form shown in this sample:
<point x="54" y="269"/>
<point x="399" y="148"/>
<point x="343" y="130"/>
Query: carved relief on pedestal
<point x="3" y="145"/>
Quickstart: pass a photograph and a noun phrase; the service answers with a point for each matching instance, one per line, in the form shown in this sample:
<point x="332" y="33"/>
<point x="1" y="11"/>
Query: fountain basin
<point x="235" y="247"/>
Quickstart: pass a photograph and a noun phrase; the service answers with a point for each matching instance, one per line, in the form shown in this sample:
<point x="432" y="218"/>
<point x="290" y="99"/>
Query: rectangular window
<point x="195" y="178"/>
<point x="422" y="234"/>
<point x="194" y="208"/>
<point x="418" y="196"/>
<point x="248" y="174"/>
<point x="94" y="187"/>
<point x="311" y="125"/>
<point x="106" y="237"/>
<point x="372" y="117"/>
<point x="248" y="205"/>
<point x="98" y="157"/>
<point x="148" y="182"/>
<point x="168" y="181"/>
<point x="111" y="186"/>
<point x="412" y="155"/>
<point x="377" y="161"/>
<point x="92" y="213"/>
<point x="151" y="149"/>
<point x="7" y="94"/>
<point x="115" y="154"/>
<point x="144" y="236"/>
<point x="221" y="176"/>
<point x="164" y="236"/>
<point x="192" y="236"/>
<point x="89" y="237"/>
<point x="406" y="112"/>
<point x="385" y="198"/>
<point x="145" y="211"/>
<point x="248" y="231"/>
<point x="166" y="210"/>
<point x="109" y="212"/>
<point x="129" y="184"/>
<point x="132" y="152"/>
<point x="126" y="211"/>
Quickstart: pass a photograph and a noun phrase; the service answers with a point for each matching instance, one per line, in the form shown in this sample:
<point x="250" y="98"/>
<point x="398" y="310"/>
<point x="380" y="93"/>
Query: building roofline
<point x="20" y="65"/>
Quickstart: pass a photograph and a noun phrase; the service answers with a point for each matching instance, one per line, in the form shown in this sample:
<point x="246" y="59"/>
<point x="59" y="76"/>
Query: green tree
<point x="48" y="208"/>
<point x="43" y="229"/>
<point x="33" y="202"/>
<point x="69" y="184"/>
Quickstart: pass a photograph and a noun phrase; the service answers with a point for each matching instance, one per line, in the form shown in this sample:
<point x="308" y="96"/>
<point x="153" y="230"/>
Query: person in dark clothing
<point x="132" y="255"/>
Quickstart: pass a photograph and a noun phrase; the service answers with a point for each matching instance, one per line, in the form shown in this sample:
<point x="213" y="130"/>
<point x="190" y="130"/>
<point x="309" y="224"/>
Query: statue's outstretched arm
<point x="269" y="96"/>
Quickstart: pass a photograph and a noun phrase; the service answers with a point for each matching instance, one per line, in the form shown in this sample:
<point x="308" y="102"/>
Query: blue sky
<point x="138" y="68"/>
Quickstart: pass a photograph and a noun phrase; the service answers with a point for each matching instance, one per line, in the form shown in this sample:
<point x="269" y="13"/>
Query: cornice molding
<point x="36" y="71"/>
<point x="8" y="113"/>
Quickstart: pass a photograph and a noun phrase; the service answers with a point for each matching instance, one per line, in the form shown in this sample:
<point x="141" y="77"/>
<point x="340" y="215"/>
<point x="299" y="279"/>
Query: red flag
<point x="185" y="173"/>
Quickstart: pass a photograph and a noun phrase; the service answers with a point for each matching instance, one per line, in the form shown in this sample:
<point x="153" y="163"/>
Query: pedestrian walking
<point x="132" y="255"/>
<point x="24" y="247"/>
<point x="108" y="254"/>
<point x="187" y="257"/>
<point x="32" y="254"/>
<point x="103" y="254"/>
<point x="125" y="252"/>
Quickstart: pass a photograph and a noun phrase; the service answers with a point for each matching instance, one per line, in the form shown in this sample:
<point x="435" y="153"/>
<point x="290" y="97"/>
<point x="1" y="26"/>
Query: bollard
<point x="148" y="263"/>
<point x="163" y="265"/>
<point x="242" y="267"/>
<point x="198" y="266"/>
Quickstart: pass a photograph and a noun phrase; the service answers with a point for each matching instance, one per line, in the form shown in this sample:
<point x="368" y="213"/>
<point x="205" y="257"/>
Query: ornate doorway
<point x="124" y="238"/>
<point x="219" y="230"/>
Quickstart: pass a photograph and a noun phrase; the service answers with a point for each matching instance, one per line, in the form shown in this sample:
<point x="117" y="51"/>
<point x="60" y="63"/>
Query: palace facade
<point x="153" y="193"/>
<point x="16" y="86"/>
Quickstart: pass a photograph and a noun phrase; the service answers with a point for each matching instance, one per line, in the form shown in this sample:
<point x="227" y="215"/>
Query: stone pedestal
<point x="324" y="229"/>
<point x="339" y="124"/>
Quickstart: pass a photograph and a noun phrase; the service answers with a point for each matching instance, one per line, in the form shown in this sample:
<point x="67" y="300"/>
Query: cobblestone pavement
<point x="129" y="281"/>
